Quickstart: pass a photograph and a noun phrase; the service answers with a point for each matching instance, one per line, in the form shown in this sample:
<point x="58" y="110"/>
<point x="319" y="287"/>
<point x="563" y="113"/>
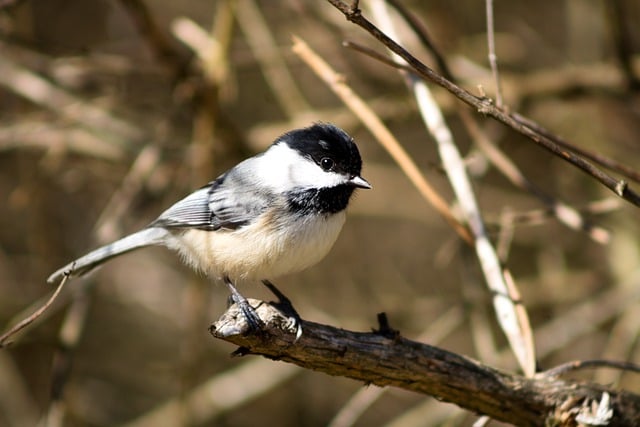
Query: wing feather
<point x="229" y="202"/>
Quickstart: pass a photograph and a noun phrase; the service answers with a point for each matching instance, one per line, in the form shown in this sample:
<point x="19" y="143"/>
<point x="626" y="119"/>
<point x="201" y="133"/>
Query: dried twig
<point x="598" y="158"/>
<point x="563" y="212"/>
<point x="35" y="88"/>
<point x="33" y="317"/>
<point x="384" y="136"/>
<point x="485" y="106"/>
<point x="589" y="364"/>
<point x="511" y="315"/>
<point x="274" y="68"/>
<point x="493" y="57"/>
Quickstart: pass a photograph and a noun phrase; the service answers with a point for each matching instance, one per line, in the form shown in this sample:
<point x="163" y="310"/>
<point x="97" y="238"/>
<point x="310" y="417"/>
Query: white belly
<point x="261" y="250"/>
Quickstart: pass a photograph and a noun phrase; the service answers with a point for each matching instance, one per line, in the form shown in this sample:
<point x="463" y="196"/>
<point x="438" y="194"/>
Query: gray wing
<point x="229" y="202"/>
<point x="233" y="200"/>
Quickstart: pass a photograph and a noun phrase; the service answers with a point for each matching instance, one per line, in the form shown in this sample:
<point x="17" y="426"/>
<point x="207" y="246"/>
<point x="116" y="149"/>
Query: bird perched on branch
<point x="276" y="213"/>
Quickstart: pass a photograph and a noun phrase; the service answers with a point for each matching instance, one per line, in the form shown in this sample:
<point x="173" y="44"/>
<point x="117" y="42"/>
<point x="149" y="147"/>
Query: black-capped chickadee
<point x="276" y="213"/>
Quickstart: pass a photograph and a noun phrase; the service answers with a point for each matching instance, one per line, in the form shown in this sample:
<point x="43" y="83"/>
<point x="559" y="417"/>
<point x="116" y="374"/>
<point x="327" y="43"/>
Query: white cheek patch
<point x="308" y="174"/>
<point x="283" y="169"/>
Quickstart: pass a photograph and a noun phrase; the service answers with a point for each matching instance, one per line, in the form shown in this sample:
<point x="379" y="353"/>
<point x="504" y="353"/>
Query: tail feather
<point x="146" y="237"/>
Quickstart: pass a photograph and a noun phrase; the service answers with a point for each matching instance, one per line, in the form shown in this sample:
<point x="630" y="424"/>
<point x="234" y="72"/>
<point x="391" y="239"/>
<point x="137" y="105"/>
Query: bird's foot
<point x="284" y="305"/>
<point x="249" y="313"/>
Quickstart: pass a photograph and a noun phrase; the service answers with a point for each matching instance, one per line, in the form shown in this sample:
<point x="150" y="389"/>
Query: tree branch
<point x="385" y="358"/>
<point x="485" y="106"/>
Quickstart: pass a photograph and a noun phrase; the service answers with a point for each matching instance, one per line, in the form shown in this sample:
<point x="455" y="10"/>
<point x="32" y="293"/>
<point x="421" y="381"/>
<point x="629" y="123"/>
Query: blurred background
<point x="112" y="110"/>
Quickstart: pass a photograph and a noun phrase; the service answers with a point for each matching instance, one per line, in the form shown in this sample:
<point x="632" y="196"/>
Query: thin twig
<point x="382" y="133"/>
<point x="441" y="63"/>
<point x="493" y="57"/>
<point x="47" y="135"/>
<point x="598" y="158"/>
<point x="558" y="333"/>
<point x="589" y="364"/>
<point x="486" y="107"/>
<point x="33" y="317"/>
<point x="539" y="216"/>
<point x="274" y="68"/>
<point x="29" y="85"/>
<point x="565" y="213"/>
<point x="423" y="35"/>
<point x="511" y="316"/>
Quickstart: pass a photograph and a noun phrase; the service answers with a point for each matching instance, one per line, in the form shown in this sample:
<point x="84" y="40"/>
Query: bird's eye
<point x="326" y="163"/>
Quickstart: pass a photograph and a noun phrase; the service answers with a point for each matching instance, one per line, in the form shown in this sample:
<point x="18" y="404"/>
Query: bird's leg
<point x="255" y="324"/>
<point x="284" y="304"/>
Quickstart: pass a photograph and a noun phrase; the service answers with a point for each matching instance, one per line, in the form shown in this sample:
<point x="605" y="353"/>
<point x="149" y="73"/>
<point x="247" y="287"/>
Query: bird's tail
<point x="146" y="237"/>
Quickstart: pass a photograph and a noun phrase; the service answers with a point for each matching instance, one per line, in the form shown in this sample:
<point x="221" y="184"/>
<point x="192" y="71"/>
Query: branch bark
<point x="385" y="358"/>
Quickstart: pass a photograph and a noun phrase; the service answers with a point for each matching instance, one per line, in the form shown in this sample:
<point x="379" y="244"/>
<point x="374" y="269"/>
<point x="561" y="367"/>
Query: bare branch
<point x="29" y="85"/>
<point x="563" y="212"/>
<point x="485" y="106"/>
<point x="382" y="133"/>
<point x="590" y="364"/>
<point x="33" y="317"/>
<point x="493" y="57"/>
<point x="376" y="358"/>
<point x="512" y="316"/>
<point x="274" y="68"/>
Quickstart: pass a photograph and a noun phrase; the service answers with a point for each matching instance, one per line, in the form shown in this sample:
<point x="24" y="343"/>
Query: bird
<point x="273" y="214"/>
